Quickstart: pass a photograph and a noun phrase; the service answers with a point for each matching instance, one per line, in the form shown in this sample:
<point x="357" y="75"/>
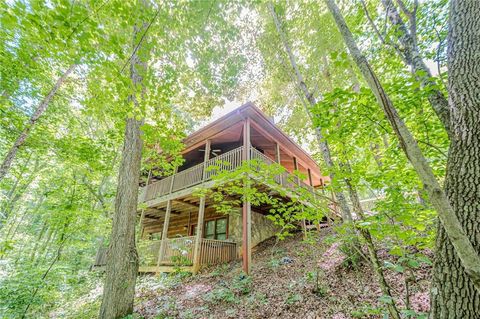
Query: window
<point x="155" y="236"/>
<point x="221" y="229"/>
<point x="210" y="229"/>
<point x="213" y="229"/>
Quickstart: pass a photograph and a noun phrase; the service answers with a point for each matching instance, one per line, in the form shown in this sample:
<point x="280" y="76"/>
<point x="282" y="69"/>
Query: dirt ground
<point x="289" y="279"/>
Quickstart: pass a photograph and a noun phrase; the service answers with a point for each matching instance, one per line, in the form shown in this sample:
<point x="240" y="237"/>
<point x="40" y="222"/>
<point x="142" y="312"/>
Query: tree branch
<point x="141" y="40"/>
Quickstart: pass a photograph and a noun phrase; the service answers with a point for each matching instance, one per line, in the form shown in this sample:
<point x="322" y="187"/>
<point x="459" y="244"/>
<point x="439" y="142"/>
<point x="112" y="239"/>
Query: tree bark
<point x="372" y="252"/>
<point x="42" y="107"/>
<point x="323" y="144"/>
<point x="463" y="246"/>
<point x="411" y="55"/>
<point x="453" y="293"/>
<point x="122" y="257"/>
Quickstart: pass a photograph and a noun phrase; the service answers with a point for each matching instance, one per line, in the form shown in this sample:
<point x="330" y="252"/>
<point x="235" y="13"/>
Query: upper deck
<point x="245" y="133"/>
<point x="184" y="182"/>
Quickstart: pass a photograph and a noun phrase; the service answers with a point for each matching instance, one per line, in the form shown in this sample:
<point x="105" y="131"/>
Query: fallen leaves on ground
<point x="280" y="289"/>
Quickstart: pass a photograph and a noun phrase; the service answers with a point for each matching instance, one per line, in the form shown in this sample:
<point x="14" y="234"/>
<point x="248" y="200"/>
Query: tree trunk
<point x="411" y="55"/>
<point x="372" y="252"/>
<point x="323" y="144"/>
<point x="463" y="246"/>
<point x="122" y="258"/>
<point x="7" y="161"/>
<point x="453" y="293"/>
<point x="63" y="239"/>
<point x="37" y="241"/>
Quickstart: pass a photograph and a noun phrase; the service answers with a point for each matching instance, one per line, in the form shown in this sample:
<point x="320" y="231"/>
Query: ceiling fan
<point x="214" y="152"/>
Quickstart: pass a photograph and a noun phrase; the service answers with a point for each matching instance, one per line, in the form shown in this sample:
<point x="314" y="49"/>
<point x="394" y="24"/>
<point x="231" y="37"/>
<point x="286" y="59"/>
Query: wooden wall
<point x="179" y="224"/>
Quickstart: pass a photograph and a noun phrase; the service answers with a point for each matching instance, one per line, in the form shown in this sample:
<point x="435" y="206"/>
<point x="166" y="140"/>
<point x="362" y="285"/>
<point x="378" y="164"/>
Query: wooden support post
<point x="304" y="222"/>
<point x="142" y="215"/>
<point x="295" y="167"/>
<point x="201" y="213"/>
<point x="198" y="236"/>
<point x="310" y="180"/>
<point x="278" y="159"/>
<point x="173" y="179"/>
<point x="304" y="226"/>
<point x="246" y="237"/>
<point x="246" y="210"/>
<point x="206" y="157"/>
<point x="277" y="153"/>
<point x="161" y="252"/>
<point x="189" y="223"/>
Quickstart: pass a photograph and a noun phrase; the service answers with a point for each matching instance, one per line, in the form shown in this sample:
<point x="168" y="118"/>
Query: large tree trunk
<point x="122" y="258"/>
<point x="463" y="246"/>
<point x="42" y="107"/>
<point x="453" y="293"/>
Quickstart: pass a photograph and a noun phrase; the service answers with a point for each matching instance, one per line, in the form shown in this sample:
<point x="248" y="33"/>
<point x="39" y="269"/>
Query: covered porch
<point x="179" y="253"/>
<point x="187" y="233"/>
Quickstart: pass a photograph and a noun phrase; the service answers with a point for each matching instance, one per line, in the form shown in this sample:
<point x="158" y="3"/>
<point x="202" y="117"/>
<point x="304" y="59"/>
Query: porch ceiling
<point x="190" y="203"/>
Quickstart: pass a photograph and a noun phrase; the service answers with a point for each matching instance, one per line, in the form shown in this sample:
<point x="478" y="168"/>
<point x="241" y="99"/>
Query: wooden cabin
<point x="180" y="228"/>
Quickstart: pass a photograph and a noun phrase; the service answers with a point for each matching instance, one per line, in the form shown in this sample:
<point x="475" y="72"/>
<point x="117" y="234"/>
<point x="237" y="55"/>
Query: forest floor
<point x="283" y="284"/>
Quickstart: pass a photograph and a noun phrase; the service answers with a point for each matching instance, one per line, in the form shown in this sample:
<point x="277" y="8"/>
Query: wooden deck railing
<point x="217" y="251"/>
<point x="195" y="175"/>
<point x="189" y="177"/>
<point x="179" y="251"/>
<point x="192" y="176"/>
<point x="225" y="162"/>
<point x="157" y="189"/>
<point x="285" y="179"/>
<point x="148" y="252"/>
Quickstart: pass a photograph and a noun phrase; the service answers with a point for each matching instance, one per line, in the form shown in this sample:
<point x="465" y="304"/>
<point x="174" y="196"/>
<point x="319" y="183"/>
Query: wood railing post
<point x="161" y="251"/>
<point x="198" y="236"/>
<point x="304" y="222"/>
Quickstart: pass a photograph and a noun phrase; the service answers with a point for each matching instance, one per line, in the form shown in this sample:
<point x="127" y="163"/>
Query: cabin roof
<point x="263" y="123"/>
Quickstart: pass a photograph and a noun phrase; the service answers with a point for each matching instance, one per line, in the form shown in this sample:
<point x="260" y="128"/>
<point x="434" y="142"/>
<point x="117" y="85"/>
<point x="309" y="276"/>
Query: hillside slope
<point x="283" y="284"/>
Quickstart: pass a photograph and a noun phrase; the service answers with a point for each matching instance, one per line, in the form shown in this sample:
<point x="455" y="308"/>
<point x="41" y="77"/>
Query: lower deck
<point x="178" y="253"/>
<point x="220" y="240"/>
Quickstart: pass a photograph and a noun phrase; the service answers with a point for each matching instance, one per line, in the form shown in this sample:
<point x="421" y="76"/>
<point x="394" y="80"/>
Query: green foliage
<point x="408" y="313"/>
<point x="231" y="292"/>
<point x="367" y="310"/>
<point x="57" y="198"/>
<point x="59" y="193"/>
<point x="274" y="263"/>
<point x="233" y="187"/>
<point x="293" y="298"/>
<point x="220" y="270"/>
<point x="318" y="280"/>
<point x="221" y="295"/>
